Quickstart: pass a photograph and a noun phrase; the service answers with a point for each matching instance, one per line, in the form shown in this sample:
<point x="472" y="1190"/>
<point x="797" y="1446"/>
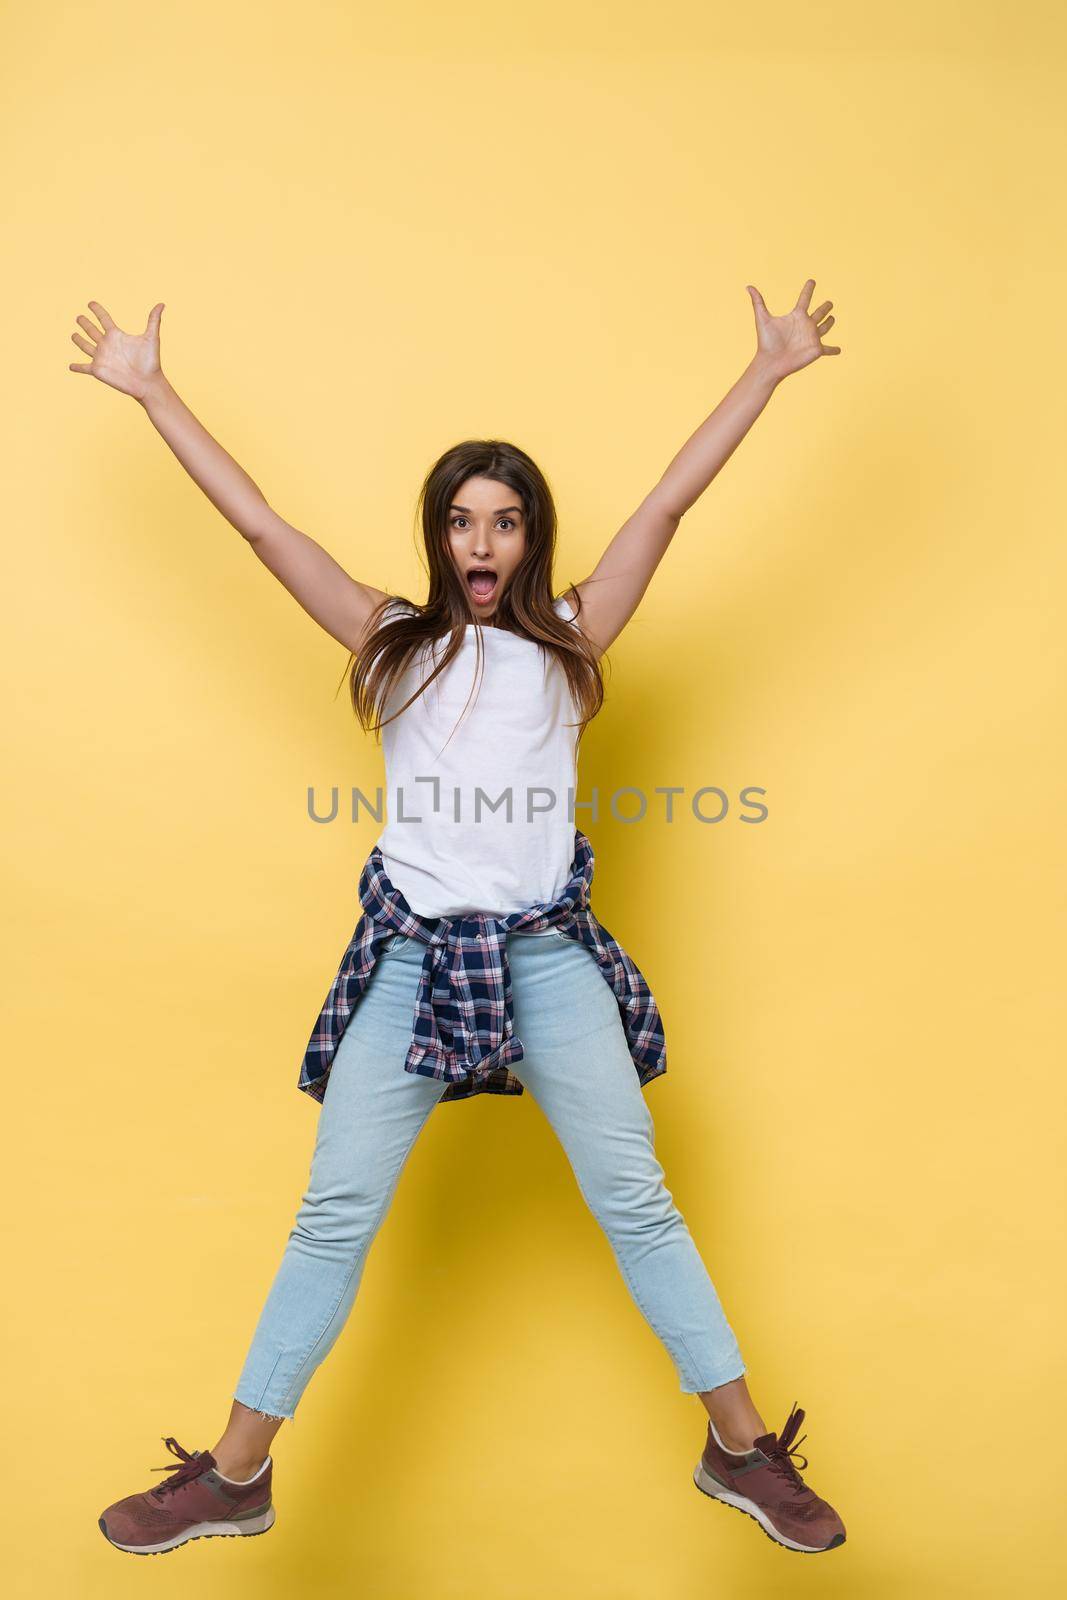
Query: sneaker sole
<point x="199" y="1530"/>
<point x="712" y="1487"/>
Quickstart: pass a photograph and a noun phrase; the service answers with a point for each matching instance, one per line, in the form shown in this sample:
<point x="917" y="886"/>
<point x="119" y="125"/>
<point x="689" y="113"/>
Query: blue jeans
<point x="578" y="1068"/>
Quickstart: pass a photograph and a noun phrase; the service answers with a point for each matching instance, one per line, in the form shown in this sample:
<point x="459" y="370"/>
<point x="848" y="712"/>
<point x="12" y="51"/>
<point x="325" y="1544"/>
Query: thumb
<point x="152" y="325"/>
<point x="758" y="304"/>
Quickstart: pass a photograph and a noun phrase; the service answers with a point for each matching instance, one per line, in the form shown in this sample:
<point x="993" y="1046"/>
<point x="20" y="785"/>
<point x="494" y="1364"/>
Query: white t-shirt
<point x="511" y="750"/>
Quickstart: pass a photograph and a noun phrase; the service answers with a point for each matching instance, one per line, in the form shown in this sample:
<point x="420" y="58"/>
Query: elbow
<point x="667" y="507"/>
<point x="254" y="527"/>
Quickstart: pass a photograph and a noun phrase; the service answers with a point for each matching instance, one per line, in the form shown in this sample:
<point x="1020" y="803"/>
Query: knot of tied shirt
<point x="463" y="1010"/>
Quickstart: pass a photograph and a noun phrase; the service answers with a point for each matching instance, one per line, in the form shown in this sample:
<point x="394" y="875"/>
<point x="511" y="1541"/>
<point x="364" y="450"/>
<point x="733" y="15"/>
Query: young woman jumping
<point x="477" y="964"/>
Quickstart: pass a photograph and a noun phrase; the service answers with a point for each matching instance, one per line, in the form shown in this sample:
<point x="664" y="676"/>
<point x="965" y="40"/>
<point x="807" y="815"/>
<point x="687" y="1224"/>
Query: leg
<point x="370" y="1118"/>
<point x="734" y="1414"/>
<point x="246" y="1442"/>
<point x="579" y="1069"/>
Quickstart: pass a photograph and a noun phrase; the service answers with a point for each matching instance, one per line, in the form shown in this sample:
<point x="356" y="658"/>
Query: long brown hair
<point x="525" y="607"/>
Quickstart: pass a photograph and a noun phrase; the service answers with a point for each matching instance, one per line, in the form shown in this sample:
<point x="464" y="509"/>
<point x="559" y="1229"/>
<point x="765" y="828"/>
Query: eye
<point x="508" y="521"/>
<point x="457" y="520"/>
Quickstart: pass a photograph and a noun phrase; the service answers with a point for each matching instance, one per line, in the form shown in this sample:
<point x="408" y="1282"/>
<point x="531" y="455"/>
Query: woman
<point x="477" y="965"/>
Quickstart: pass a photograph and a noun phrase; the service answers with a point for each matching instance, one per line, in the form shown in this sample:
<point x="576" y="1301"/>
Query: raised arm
<point x="615" y="587"/>
<point x="130" y="363"/>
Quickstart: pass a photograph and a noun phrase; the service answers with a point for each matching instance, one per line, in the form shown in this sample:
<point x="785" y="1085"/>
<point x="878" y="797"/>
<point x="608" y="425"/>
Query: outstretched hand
<point x="126" y="361"/>
<point x="794" y="340"/>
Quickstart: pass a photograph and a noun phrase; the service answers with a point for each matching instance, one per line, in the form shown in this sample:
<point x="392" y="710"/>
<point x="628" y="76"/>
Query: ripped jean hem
<point x="728" y="1376"/>
<point x="268" y="1416"/>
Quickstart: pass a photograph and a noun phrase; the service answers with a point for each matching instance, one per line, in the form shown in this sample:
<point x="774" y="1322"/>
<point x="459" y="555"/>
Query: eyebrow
<point x="467" y="512"/>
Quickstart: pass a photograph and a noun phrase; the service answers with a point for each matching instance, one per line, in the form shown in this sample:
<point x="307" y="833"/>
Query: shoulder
<point x="393" y="610"/>
<point x="565" y="606"/>
<point x="396" y="607"/>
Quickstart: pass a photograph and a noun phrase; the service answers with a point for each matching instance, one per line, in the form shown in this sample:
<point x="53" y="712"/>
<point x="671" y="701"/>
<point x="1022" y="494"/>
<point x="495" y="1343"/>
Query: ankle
<point x="238" y="1468"/>
<point x="737" y="1443"/>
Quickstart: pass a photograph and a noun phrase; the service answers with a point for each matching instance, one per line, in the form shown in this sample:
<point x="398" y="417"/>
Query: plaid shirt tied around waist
<point x="462" y="1030"/>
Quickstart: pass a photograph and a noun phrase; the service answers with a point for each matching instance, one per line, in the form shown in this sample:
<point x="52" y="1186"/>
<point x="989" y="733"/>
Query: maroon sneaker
<point x="764" y="1483"/>
<point x="196" y="1502"/>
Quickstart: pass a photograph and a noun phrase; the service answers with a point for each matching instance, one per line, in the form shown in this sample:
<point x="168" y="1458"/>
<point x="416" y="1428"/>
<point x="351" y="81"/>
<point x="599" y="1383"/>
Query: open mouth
<point x="482" y="582"/>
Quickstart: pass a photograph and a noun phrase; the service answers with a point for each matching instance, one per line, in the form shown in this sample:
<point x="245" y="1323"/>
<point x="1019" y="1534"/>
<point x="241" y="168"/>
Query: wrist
<point x="155" y="390"/>
<point x="764" y="371"/>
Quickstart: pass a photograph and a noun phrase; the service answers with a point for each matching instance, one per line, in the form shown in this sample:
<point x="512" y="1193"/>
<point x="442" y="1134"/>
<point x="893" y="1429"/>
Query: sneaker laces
<point x="780" y="1454"/>
<point x="191" y="1467"/>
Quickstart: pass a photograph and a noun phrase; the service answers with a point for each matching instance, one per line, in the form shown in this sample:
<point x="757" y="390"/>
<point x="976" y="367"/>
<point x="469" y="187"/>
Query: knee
<point x="342" y="1215"/>
<point x="631" y="1204"/>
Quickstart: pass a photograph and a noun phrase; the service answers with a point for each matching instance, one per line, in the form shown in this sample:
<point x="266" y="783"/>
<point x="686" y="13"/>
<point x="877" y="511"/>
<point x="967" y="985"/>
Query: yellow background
<point x="377" y="231"/>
